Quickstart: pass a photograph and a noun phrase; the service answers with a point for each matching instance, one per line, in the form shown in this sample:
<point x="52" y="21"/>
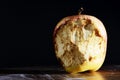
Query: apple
<point x="80" y="43"/>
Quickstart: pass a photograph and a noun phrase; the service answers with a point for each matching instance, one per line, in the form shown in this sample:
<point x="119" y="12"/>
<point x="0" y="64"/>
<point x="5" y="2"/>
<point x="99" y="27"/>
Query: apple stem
<point x="80" y="10"/>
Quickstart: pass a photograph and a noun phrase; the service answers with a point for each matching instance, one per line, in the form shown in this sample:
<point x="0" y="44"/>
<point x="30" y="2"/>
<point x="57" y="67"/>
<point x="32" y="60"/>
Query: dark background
<point x="31" y="24"/>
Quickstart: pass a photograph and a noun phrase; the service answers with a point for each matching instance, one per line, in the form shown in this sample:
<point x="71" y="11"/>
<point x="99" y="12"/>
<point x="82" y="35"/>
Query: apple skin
<point x="86" y="65"/>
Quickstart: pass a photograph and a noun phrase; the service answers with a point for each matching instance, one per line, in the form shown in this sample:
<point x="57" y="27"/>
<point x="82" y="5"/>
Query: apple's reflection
<point x="86" y="76"/>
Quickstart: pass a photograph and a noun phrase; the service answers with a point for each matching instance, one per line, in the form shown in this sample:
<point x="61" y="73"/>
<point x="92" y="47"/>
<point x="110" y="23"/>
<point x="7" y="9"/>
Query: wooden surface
<point x="57" y="73"/>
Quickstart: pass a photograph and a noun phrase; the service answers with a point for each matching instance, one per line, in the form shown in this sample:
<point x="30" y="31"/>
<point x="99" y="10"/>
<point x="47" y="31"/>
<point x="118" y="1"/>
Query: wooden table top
<point x="111" y="72"/>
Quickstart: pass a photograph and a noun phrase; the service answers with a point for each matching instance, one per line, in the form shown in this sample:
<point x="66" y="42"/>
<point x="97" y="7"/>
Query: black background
<point x="31" y="24"/>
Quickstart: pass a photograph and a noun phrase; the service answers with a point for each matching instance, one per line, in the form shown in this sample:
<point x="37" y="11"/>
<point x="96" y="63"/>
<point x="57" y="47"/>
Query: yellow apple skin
<point x="80" y="43"/>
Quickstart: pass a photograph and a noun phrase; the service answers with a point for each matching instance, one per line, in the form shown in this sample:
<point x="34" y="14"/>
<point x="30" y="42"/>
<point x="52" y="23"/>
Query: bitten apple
<point x="80" y="43"/>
